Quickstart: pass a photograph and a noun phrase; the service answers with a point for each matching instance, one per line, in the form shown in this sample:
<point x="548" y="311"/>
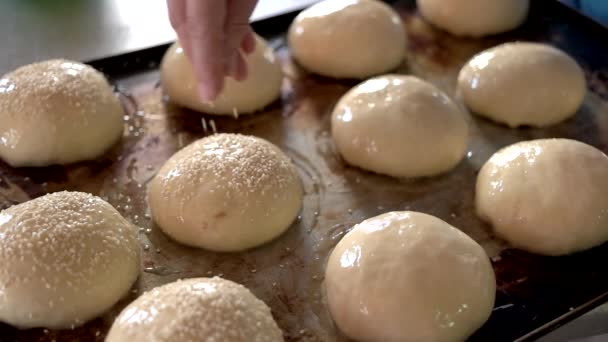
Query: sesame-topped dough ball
<point x="57" y="112"/>
<point x="226" y="192"/>
<point x="546" y="196"/>
<point x="348" y="38"/>
<point x="198" y="309"/>
<point x="260" y="89"/>
<point x="475" y="18"/>
<point x="523" y="84"/>
<point x="67" y="257"/>
<point x="409" y="277"/>
<point x="399" y="126"/>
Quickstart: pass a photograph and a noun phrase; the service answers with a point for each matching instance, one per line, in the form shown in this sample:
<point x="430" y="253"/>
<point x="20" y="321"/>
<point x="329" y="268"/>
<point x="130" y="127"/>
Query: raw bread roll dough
<point x="399" y="126"/>
<point x="407" y="276"/>
<point x="199" y="309"/>
<point x="547" y="196"/>
<point x="348" y="38"/>
<point x="66" y="258"/>
<point x="475" y="17"/>
<point x="523" y="84"/>
<point x="57" y="112"/>
<point x="261" y="88"/>
<point x="226" y="192"/>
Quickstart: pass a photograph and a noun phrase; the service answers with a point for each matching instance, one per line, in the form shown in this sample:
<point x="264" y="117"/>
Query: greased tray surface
<point x="535" y="294"/>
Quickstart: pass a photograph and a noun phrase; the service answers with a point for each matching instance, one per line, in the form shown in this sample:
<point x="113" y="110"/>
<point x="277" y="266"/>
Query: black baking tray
<point x="535" y="294"/>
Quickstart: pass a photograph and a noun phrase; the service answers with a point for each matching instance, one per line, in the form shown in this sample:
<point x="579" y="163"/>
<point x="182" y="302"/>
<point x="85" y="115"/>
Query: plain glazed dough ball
<point x="407" y="276"/>
<point x="199" y="309"/>
<point x="523" y="84"/>
<point x="66" y="258"/>
<point x="57" y="112"/>
<point x="399" y="126"/>
<point x="475" y="17"/>
<point x="261" y="88"/>
<point x="546" y="196"/>
<point x="226" y="192"/>
<point x="348" y="38"/>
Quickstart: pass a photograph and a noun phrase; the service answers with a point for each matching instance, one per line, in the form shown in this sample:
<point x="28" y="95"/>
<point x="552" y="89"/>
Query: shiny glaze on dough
<point x="547" y="196"/>
<point x="399" y="126"/>
<point x="475" y="17"/>
<point x="523" y="84"/>
<point x="348" y="38"/>
<point x="409" y="277"/>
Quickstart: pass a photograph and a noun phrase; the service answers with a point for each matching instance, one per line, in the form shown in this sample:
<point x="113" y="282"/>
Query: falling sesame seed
<point x="212" y="124"/>
<point x="204" y="124"/>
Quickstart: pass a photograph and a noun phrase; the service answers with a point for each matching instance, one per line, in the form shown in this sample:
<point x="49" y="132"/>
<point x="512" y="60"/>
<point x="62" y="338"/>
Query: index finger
<point x="205" y="24"/>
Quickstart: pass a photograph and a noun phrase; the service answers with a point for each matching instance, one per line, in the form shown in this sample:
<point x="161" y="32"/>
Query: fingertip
<point x="232" y="66"/>
<point x="209" y="92"/>
<point x="241" y="69"/>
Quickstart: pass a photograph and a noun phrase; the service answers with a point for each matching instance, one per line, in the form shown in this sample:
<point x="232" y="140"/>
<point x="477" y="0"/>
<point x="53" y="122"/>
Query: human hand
<point x="215" y="35"/>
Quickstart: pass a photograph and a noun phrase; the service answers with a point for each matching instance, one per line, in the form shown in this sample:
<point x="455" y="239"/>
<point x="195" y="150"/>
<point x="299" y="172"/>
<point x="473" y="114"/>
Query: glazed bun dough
<point x="407" y="276"/>
<point x="546" y="196"/>
<point x="399" y="126"/>
<point x="226" y="192"/>
<point x="66" y="258"/>
<point x="199" y="309"/>
<point x="523" y="84"/>
<point x="57" y="112"/>
<point x="474" y="17"/>
<point x="261" y="88"/>
<point x="348" y="38"/>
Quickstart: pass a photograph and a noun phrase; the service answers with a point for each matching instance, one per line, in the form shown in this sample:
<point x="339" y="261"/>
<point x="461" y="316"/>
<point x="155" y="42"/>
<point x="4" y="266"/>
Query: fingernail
<point x="248" y="43"/>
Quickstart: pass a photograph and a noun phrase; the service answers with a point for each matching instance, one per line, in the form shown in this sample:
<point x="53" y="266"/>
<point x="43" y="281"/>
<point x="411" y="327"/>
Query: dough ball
<point x="523" y="84"/>
<point x="348" y="38"/>
<point x="66" y="258"/>
<point x="261" y="88"/>
<point x="57" y="112"/>
<point x="399" y="126"/>
<point x="475" y="17"/>
<point x="407" y="276"/>
<point x="547" y="196"/>
<point x="199" y="309"/>
<point x="226" y="192"/>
